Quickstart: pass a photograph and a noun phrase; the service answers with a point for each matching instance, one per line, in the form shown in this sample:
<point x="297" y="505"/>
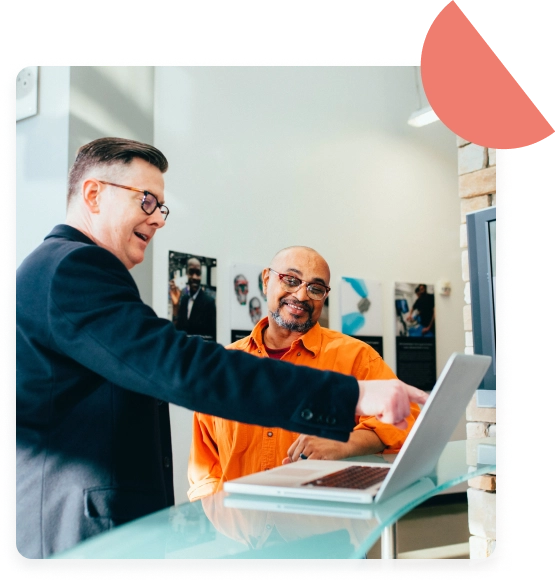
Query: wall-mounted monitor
<point x="481" y="242"/>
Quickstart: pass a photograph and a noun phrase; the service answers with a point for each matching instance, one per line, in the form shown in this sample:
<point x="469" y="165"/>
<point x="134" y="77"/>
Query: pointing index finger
<point x="417" y="395"/>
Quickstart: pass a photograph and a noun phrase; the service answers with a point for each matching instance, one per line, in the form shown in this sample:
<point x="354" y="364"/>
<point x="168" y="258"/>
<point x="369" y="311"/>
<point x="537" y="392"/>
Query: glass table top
<point x="244" y="527"/>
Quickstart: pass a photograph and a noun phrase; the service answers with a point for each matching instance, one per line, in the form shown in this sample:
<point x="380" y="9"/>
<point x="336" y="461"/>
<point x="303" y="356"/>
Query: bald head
<point x="308" y="257"/>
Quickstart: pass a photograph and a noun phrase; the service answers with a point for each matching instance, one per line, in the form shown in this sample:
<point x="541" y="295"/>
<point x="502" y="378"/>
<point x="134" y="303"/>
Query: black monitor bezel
<point x="482" y="291"/>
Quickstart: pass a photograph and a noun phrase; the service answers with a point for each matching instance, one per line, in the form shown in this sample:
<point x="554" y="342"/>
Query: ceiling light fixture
<point x="424" y="115"/>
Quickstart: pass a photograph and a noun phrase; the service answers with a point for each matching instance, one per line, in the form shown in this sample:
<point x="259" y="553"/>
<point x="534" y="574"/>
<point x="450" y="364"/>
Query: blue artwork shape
<point x="417" y="332"/>
<point x="351" y="323"/>
<point x="358" y="285"/>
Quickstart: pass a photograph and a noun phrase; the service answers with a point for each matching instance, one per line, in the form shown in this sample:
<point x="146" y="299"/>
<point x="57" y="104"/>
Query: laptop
<point x="365" y="482"/>
<point x="327" y="508"/>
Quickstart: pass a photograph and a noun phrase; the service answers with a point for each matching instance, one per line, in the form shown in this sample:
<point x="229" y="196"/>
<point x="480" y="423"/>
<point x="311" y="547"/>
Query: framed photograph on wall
<point x="361" y="310"/>
<point x="415" y="334"/>
<point x="192" y="294"/>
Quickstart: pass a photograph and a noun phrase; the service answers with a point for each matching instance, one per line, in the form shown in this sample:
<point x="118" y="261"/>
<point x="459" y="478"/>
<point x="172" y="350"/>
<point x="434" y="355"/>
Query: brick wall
<point x="477" y="190"/>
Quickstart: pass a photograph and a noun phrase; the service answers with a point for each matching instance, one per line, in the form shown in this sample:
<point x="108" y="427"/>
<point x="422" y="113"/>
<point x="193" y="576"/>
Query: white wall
<point x="114" y="101"/>
<point x="41" y="162"/>
<point x="262" y="158"/>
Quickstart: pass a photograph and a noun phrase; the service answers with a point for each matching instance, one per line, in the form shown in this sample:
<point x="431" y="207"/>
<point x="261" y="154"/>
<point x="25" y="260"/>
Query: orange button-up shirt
<point x="223" y="450"/>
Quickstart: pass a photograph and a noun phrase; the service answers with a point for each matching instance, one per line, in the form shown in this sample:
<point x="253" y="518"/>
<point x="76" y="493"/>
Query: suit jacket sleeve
<point x="97" y="318"/>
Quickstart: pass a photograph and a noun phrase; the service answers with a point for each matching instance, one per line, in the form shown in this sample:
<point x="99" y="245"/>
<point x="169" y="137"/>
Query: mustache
<point x="304" y="305"/>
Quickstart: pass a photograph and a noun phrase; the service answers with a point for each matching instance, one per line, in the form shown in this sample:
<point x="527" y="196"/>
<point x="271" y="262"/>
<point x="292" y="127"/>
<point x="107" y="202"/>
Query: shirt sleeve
<point x="374" y="368"/>
<point x="204" y="470"/>
<point x="392" y="437"/>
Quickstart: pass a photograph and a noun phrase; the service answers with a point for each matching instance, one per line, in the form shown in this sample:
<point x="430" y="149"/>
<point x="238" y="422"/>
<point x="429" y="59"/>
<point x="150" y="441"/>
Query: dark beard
<point x="294" y="326"/>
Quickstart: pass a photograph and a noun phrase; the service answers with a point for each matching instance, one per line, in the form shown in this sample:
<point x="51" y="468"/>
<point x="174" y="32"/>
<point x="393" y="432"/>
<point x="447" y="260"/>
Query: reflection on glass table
<point x="258" y="527"/>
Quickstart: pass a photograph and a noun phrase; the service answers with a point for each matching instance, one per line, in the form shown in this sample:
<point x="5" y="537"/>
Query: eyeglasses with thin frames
<point x="290" y="283"/>
<point x="149" y="204"/>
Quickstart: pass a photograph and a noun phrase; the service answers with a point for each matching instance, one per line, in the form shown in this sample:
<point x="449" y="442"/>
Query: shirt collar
<point x="312" y="340"/>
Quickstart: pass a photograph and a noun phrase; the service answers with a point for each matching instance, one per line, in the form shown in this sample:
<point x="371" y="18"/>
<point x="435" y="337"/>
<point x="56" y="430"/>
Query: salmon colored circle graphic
<point x="470" y="89"/>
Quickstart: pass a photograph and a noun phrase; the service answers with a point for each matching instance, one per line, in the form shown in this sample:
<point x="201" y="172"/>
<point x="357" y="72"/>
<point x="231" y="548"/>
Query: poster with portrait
<point x="361" y="310"/>
<point x="192" y="294"/>
<point x="248" y="302"/>
<point x="415" y="334"/>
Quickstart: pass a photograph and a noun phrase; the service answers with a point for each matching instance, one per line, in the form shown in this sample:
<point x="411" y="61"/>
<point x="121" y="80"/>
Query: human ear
<point x="266" y="275"/>
<point x="90" y="192"/>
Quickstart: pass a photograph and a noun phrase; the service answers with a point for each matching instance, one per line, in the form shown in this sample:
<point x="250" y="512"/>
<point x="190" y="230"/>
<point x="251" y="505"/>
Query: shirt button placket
<point x="268" y="451"/>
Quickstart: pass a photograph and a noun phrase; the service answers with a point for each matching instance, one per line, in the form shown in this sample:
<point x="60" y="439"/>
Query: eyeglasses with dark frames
<point x="149" y="204"/>
<point x="290" y="283"/>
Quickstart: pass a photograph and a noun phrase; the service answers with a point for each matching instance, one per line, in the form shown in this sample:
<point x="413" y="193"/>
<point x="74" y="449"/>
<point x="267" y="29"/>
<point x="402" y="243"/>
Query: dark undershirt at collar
<point x="277" y="354"/>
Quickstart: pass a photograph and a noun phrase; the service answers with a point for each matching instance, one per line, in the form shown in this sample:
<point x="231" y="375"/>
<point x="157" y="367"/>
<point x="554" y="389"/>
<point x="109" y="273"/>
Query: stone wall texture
<point x="477" y="190"/>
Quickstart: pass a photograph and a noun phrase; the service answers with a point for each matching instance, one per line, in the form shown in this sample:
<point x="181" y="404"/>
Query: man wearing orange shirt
<point x="296" y="285"/>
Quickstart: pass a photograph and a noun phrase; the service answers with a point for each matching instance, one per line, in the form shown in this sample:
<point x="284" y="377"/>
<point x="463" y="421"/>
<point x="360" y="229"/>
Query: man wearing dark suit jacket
<point x="96" y="367"/>
<point x="194" y="309"/>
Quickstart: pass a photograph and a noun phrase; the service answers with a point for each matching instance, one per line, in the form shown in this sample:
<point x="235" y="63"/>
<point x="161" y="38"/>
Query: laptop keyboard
<point x="354" y="477"/>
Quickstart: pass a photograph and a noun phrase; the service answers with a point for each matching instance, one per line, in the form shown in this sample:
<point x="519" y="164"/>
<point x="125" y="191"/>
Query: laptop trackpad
<point x="288" y="476"/>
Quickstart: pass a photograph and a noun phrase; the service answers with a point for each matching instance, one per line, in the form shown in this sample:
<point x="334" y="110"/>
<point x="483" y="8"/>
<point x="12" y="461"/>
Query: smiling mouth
<point x="299" y="308"/>
<point x="141" y="236"/>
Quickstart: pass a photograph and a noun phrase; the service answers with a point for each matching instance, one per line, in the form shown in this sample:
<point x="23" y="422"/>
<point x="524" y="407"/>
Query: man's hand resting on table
<point x="361" y="442"/>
